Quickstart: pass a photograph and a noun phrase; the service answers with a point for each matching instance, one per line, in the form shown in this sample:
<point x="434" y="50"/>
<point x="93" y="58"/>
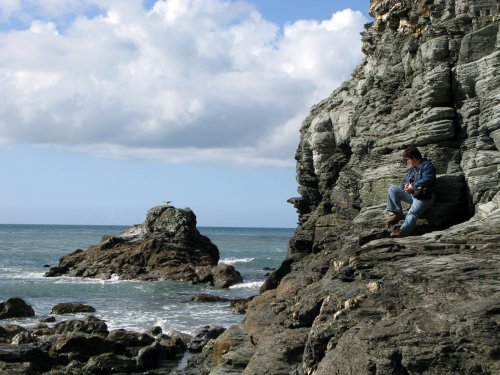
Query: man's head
<point x="412" y="156"/>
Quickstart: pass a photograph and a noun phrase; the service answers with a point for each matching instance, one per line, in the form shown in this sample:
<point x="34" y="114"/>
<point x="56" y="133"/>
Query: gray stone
<point x="15" y="308"/>
<point x="31" y="358"/>
<point x="71" y="308"/>
<point x="90" y="325"/>
<point x="79" y="346"/>
<point x="109" y="363"/>
<point x="130" y="338"/>
<point x="150" y="357"/>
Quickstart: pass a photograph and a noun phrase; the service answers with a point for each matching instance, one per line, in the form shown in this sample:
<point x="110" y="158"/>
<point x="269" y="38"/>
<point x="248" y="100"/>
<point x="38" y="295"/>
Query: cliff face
<point x="347" y="300"/>
<point x="429" y="78"/>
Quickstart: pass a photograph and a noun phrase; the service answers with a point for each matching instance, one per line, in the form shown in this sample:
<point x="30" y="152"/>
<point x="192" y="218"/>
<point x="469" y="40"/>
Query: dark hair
<point x="412" y="152"/>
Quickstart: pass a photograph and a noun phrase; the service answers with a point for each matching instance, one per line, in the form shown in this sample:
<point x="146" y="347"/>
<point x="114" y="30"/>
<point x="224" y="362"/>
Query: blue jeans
<point x="396" y="194"/>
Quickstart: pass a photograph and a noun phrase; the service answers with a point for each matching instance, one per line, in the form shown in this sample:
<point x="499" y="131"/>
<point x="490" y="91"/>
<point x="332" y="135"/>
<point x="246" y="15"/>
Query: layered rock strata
<point x="348" y="300"/>
<point x="166" y="246"/>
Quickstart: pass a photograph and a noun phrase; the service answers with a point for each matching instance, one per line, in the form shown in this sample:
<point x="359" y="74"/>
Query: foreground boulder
<point x="166" y="246"/>
<point x="86" y="347"/>
<point x="15" y="308"/>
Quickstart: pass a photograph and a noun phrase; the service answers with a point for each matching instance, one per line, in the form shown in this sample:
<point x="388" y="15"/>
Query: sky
<point x="111" y="107"/>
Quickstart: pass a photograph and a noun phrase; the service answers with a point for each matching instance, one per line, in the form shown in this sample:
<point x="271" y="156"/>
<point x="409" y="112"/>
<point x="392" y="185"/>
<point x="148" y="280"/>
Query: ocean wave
<point x="19" y="274"/>
<point x="250" y="285"/>
<point x="231" y="261"/>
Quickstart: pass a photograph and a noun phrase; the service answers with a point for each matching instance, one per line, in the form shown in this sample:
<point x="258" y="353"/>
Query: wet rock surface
<point x="86" y="346"/>
<point x="15" y="308"/>
<point x="71" y="308"/>
<point x="166" y="246"/>
<point x="348" y="299"/>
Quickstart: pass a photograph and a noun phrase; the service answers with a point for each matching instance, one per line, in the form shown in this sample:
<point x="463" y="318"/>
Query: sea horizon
<point x="128" y="225"/>
<point x="27" y="250"/>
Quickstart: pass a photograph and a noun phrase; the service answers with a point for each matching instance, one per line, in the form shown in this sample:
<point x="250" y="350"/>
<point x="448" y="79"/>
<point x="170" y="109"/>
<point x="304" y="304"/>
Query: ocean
<point x="26" y="251"/>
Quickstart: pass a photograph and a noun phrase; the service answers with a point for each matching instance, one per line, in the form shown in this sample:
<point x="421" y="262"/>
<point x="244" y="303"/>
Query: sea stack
<point x="166" y="246"/>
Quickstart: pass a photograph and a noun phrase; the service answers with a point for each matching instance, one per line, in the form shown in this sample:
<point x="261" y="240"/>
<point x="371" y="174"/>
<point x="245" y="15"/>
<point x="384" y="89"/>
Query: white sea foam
<point x="22" y="275"/>
<point x="232" y="260"/>
<point x="114" y="279"/>
<point x="250" y="285"/>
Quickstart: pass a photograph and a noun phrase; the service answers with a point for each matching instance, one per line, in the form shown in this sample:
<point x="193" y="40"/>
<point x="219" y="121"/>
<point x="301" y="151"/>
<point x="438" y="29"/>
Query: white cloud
<point x="9" y="8"/>
<point x="207" y="80"/>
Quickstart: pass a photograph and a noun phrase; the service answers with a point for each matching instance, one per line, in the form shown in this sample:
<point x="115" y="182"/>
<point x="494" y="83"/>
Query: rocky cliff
<point x="347" y="300"/>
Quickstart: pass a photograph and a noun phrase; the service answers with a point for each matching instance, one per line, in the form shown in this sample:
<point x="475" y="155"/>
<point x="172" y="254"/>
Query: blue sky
<point x="111" y="107"/>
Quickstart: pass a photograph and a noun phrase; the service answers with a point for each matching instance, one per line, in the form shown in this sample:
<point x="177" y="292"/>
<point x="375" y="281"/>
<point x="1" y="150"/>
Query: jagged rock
<point x="203" y="336"/>
<point x="183" y="337"/>
<point x="24" y="368"/>
<point x="36" y="359"/>
<point x="166" y="246"/>
<point x="71" y="308"/>
<point x="48" y="319"/>
<point x="154" y="331"/>
<point x="9" y="331"/>
<point x="172" y="347"/>
<point x="25" y="337"/>
<point x="109" y="363"/>
<point x="84" y="346"/>
<point x="233" y="348"/>
<point x="240" y="305"/>
<point x="208" y="298"/>
<point x="224" y="276"/>
<point x="90" y="325"/>
<point x="79" y="346"/>
<point x="347" y="299"/>
<point x="150" y="357"/>
<point x="15" y="308"/>
<point x="130" y="338"/>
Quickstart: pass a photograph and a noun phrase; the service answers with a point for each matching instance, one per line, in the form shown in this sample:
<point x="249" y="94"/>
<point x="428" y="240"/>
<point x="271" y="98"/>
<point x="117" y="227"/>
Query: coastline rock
<point x="166" y="246"/>
<point x="110" y="363"/>
<point x="202" y="337"/>
<point x="208" y="298"/>
<point x="85" y="346"/>
<point x="347" y="300"/>
<point x="32" y="359"/>
<point x="15" y="308"/>
<point x="150" y="357"/>
<point x="130" y="338"/>
<point x="71" y="308"/>
<point x="80" y="347"/>
<point x="90" y="325"/>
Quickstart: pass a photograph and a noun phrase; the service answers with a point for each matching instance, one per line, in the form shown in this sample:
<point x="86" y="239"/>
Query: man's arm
<point x="427" y="176"/>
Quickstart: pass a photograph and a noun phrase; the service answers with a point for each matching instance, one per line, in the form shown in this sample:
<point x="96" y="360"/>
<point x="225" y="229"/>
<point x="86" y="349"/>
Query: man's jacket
<point x="424" y="175"/>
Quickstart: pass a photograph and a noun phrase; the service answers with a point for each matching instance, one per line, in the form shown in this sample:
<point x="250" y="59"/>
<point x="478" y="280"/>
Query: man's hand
<point x="408" y="188"/>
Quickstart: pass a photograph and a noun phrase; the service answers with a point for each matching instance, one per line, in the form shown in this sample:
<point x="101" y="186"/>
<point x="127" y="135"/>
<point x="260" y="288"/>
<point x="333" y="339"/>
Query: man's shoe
<point x="395" y="217"/>
<point x="398" y="233"/>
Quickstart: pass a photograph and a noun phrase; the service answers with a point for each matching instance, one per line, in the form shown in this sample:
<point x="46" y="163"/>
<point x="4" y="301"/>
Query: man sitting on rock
<point x="415" y="190"/>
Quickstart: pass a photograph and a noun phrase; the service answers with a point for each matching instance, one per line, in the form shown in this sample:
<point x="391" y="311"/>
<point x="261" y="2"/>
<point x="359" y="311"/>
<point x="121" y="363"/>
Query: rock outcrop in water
<point x="166" y="246"/>
<point x="347" y="300"/>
